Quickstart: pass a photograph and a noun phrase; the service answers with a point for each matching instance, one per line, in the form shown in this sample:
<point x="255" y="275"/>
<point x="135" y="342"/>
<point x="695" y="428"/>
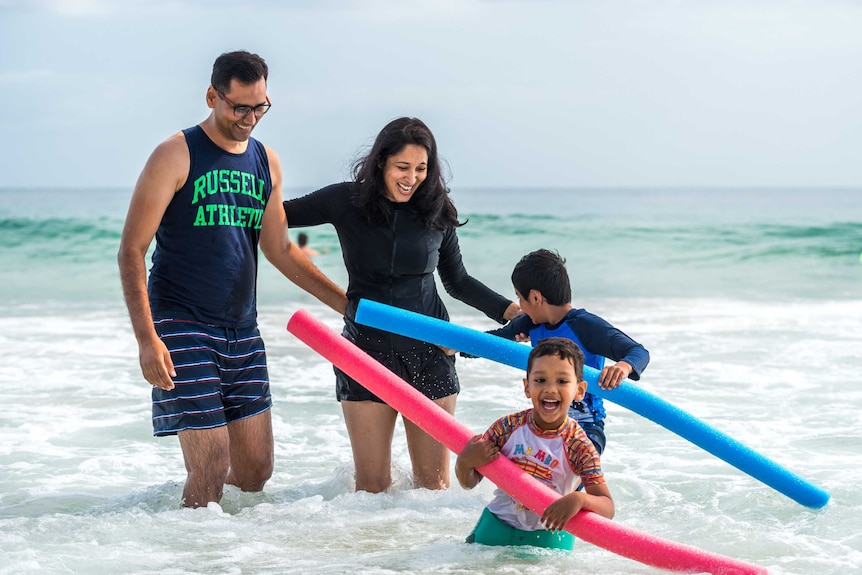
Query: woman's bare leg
<point x="370" y="426"/>
<point x="430" y="458"/>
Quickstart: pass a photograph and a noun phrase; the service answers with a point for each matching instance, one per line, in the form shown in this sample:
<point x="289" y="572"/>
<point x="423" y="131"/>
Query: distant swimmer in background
<point x="549" y="445"/>
<point x="545" y="295"/>
<point x="211" y="195"/>
<point x="302" y="242"/>
<point x="397" y="225"/>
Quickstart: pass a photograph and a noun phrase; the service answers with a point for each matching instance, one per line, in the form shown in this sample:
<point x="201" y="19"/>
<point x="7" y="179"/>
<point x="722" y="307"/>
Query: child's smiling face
<point x="552" y="386"/>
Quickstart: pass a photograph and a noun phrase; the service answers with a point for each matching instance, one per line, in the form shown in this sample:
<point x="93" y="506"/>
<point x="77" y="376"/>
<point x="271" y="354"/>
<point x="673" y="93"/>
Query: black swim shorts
<point x="425" y="367"/>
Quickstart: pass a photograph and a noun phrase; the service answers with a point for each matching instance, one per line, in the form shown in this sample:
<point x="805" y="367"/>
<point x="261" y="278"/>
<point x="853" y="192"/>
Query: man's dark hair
<point x="244" y="67"/>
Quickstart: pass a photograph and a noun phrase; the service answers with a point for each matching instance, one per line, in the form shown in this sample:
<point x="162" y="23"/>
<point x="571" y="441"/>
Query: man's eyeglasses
<point x="243" y="111"/>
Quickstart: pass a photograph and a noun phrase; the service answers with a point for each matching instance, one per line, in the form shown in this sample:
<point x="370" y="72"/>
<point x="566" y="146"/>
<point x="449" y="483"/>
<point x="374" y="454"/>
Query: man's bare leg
<point x="207" y="457"/>
<point x="251" y="451"/>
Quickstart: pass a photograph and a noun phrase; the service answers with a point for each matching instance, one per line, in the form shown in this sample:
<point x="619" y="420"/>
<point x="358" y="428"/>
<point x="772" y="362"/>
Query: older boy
<point x="542" y="286"/>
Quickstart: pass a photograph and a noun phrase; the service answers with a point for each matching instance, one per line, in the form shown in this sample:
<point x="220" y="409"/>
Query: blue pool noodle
<point x="474" y="342"/>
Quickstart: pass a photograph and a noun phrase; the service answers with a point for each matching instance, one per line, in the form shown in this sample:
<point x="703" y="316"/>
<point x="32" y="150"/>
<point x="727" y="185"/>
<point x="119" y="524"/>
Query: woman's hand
<point x="513" y="311"/>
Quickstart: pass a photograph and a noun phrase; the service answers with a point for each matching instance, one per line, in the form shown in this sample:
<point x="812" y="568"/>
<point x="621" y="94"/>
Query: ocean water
<point x="749" y="300"/>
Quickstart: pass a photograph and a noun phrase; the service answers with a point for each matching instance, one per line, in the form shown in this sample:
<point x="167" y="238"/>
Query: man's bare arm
<point x="285" y="255"/>
<point x="163" y="174"/>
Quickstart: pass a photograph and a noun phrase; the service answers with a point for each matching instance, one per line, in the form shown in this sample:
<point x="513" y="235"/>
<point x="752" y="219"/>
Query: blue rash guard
<point x="597" y="339"/>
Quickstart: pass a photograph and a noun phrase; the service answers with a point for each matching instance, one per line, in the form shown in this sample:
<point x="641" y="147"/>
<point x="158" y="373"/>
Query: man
<point x="210" y="195"/>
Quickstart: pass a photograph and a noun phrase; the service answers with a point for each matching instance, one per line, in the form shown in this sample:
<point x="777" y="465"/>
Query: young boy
<point x="542" y="286"/>
<point x="547" y="444"/>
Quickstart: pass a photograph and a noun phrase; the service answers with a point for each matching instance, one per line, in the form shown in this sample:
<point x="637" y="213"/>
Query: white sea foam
<point x="86" y="489"/>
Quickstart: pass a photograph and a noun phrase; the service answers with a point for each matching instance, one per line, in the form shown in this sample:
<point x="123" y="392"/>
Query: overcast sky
<point x="518" y="93"/>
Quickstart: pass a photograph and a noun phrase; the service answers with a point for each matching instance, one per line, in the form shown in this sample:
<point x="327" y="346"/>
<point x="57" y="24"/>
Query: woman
<point x="396" y="225"/>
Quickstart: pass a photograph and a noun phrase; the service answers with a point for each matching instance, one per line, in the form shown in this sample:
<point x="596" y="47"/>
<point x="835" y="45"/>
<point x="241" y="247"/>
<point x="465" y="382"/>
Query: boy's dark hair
<point x="545" y="272"/>
<point x="244" y="67"/>
<point x="562" y="347"/>
<point x="302" y="239"/>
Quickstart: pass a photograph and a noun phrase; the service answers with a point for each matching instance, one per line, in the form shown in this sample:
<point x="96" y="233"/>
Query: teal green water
<point x="749" y="244"/>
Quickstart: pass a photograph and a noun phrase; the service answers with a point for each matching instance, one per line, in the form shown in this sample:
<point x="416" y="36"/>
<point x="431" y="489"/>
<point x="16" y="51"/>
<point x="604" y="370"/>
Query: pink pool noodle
<point x="588" y="526"/>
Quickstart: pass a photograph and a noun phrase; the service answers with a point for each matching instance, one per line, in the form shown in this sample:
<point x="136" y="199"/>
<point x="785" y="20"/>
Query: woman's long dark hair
<point x="431" y="199"/>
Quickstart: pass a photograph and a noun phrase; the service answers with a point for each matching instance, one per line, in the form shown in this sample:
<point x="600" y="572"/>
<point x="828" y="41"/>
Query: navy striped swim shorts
<point x="221" y="376"/>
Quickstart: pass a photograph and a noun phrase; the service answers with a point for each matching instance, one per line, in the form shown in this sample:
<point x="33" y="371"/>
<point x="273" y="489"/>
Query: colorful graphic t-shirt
<point x="561" y="458"/>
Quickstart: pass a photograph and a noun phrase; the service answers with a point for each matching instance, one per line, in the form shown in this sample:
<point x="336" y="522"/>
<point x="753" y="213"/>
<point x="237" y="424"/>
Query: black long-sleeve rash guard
<point x="393" y="262"/>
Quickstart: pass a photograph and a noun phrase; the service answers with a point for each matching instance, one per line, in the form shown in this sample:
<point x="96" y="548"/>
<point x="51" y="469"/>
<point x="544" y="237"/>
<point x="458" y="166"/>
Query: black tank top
<point x="205" y="262"/>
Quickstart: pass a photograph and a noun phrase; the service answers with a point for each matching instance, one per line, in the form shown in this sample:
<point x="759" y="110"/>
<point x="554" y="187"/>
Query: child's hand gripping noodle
<point x="547" y="444"/>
